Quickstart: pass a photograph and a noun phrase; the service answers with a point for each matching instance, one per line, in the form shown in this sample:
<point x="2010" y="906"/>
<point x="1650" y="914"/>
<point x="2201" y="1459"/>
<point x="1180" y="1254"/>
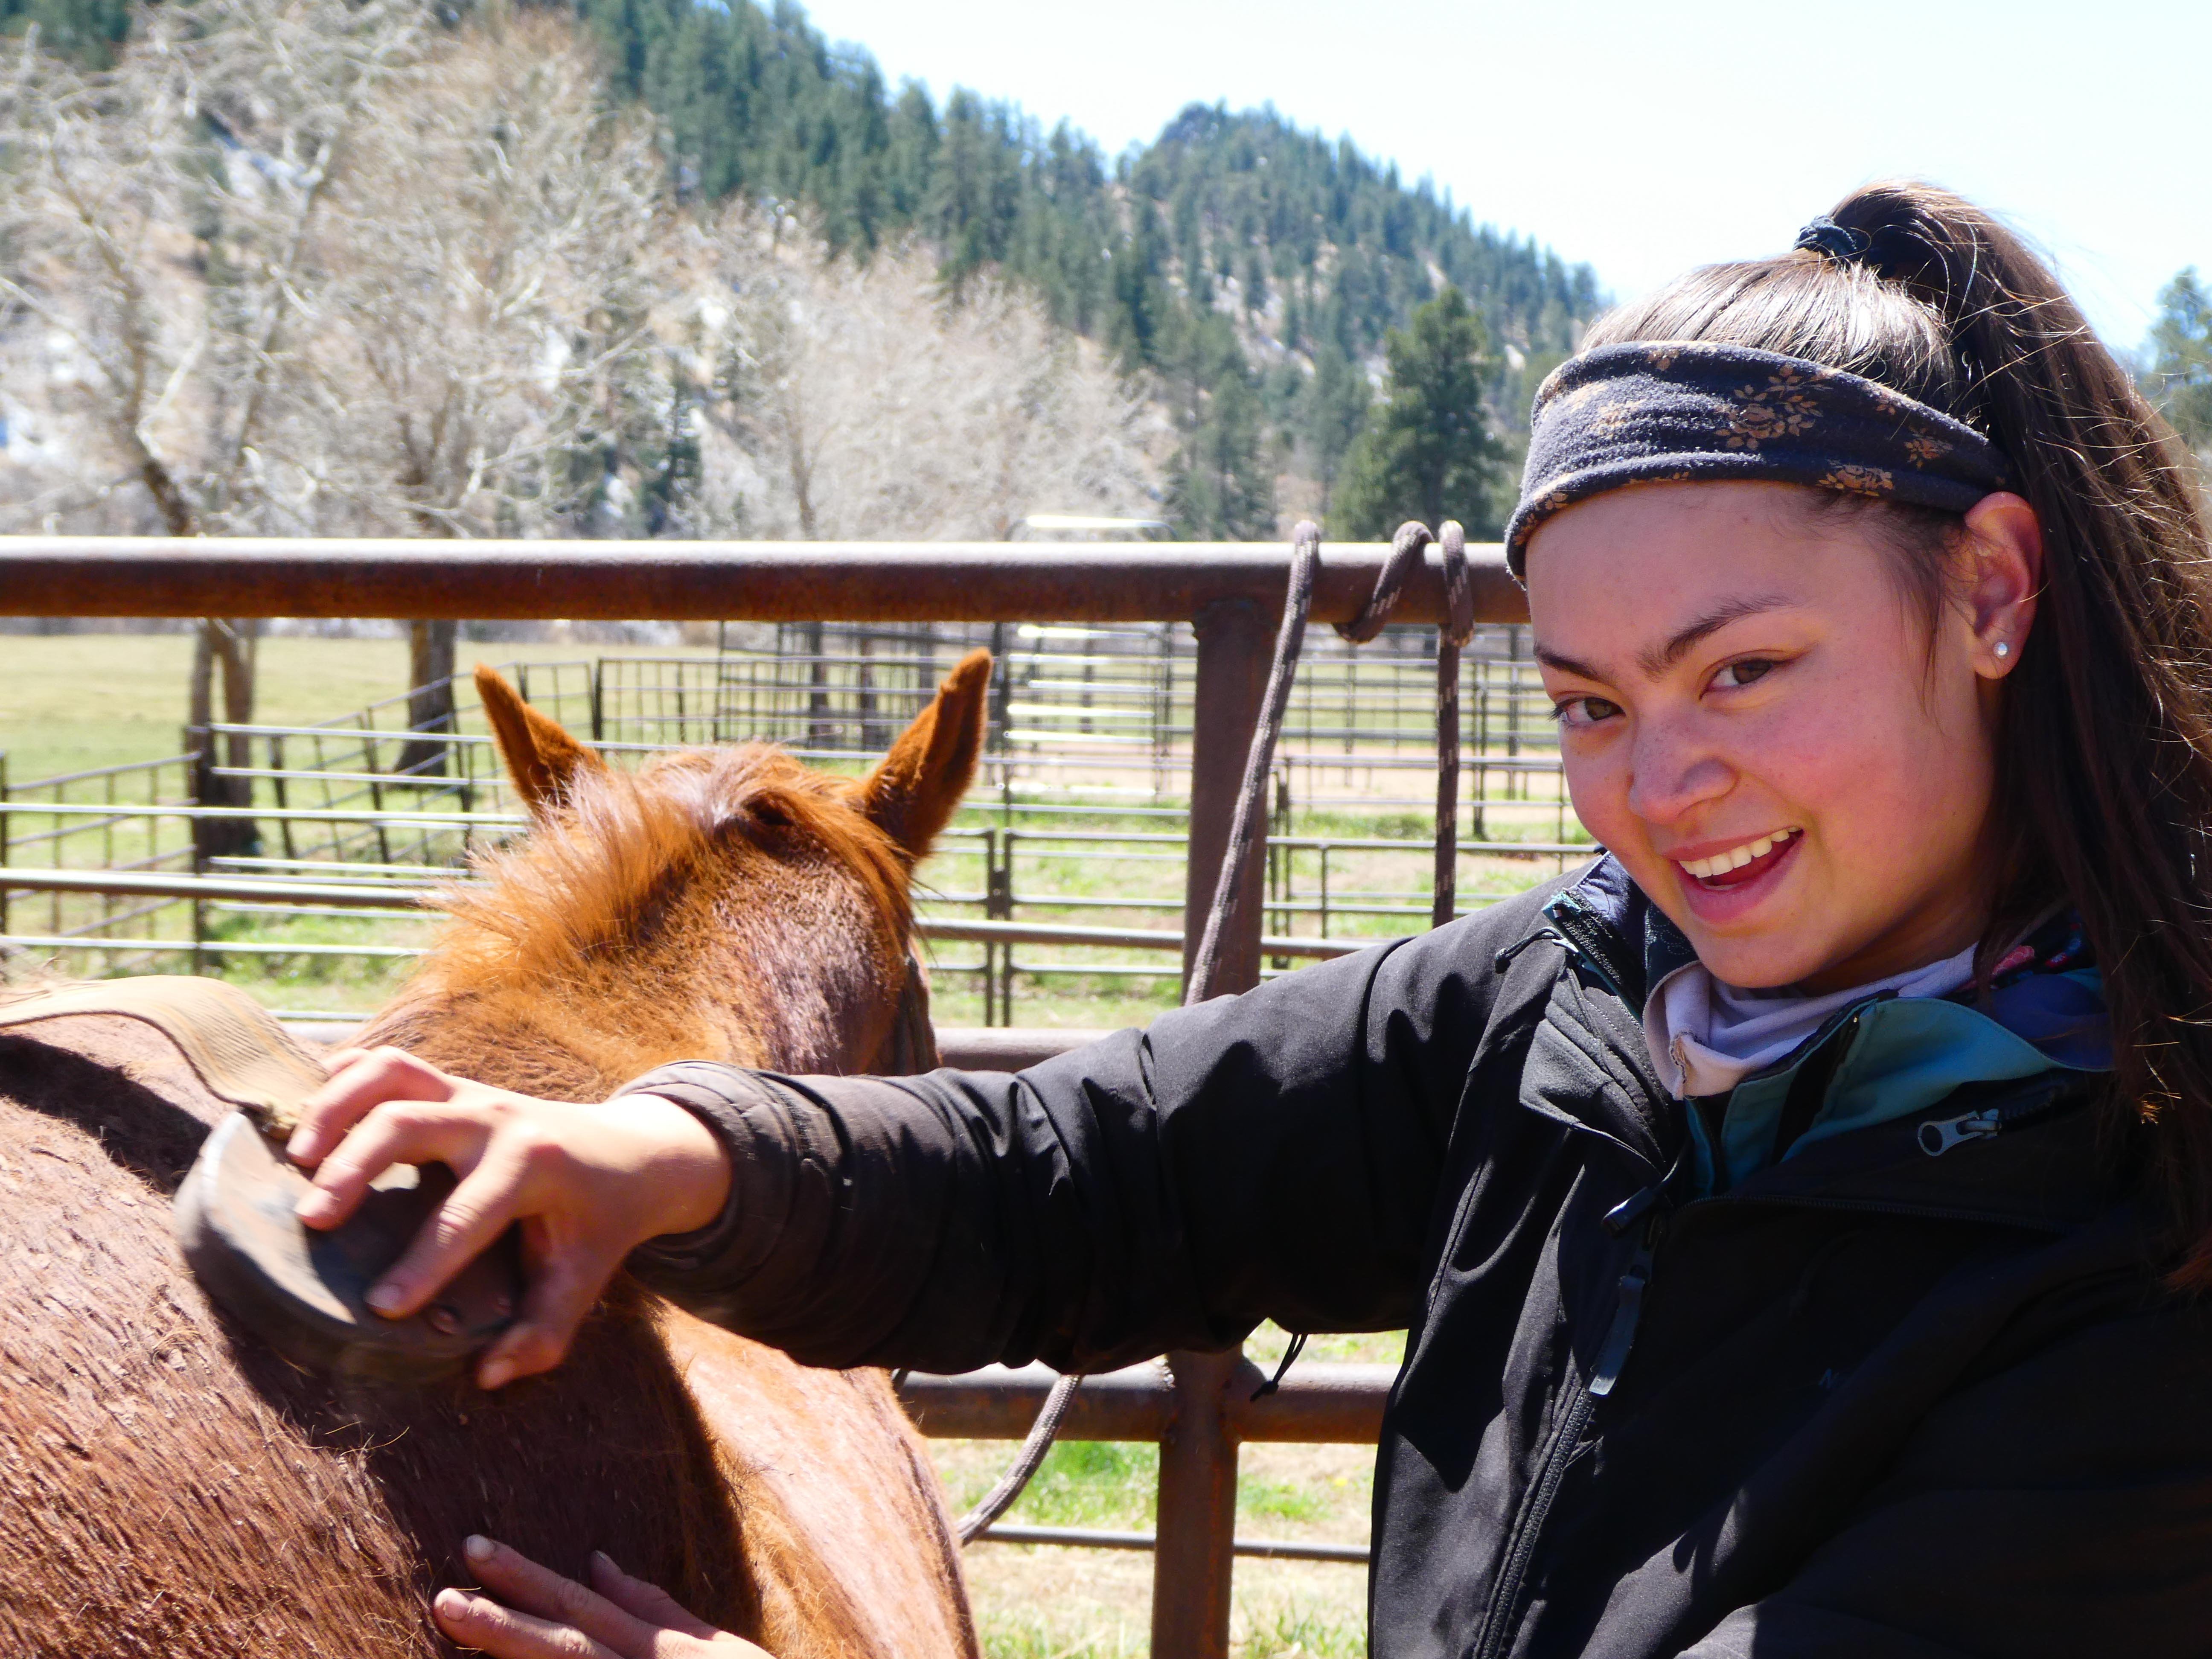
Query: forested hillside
<point x="1244" y="271"/>
<point x="758" y="101"/>
<point x="1250" y="266"/>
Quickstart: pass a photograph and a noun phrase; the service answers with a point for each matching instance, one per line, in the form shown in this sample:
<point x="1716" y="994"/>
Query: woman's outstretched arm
<point x="1275" y="1155"/>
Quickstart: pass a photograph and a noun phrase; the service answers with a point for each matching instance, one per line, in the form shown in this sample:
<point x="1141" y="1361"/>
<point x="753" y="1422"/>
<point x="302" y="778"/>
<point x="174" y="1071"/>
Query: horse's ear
<point x="912" y="795"/>
<point x="541" y="756"/>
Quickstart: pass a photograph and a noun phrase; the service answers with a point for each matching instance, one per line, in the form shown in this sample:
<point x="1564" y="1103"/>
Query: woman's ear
<point x="2002" y="579"/>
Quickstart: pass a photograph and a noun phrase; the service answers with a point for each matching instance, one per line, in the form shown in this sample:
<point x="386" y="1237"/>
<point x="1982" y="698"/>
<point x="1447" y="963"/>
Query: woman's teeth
<point x="1737" y="857"/>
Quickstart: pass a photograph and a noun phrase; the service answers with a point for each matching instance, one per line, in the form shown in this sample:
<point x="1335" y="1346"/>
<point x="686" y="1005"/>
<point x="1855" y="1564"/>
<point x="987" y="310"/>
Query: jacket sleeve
<point x="1274" y="1154"/>
<point x="2058" y="1508"/>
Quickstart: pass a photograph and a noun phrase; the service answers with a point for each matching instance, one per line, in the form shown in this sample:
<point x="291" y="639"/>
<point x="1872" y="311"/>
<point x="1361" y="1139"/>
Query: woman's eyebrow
<point x="1656" y="662"/>
<point x="1566" y="664"/>
<point x="1657" y="659"/>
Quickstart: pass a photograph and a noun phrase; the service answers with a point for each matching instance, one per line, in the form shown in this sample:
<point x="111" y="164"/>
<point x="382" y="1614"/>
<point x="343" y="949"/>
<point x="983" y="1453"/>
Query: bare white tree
<point x="319" y="265"/>
<point x="484" y="299"/>
<point x="859" y="401"/>
<point x="154" y="218"/>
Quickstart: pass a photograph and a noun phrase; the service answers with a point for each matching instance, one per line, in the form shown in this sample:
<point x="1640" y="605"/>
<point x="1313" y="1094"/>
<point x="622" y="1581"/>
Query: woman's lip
<point x="1697" y="851"/>
<point x="1731" y="894"/>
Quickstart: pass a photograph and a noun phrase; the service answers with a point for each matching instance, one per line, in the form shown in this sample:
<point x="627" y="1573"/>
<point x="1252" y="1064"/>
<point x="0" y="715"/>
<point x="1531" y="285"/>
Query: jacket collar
<point x="2032" y="1157"/>
<point x="1603" y="914"/>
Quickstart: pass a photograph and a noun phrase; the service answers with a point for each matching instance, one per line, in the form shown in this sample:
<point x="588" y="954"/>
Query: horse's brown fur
<point x="166" y="1485"/>
<point x="169" y="1486"/>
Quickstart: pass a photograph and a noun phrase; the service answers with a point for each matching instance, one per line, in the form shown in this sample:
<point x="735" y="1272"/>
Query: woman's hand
<point x="588" y="1184"/>
<point x="549" y="1617"/>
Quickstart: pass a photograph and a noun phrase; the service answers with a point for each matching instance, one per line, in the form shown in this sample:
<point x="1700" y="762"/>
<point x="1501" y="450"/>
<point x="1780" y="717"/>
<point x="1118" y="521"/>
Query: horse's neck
<point x="539" y="1047"/>
<point x="796" y="973"/>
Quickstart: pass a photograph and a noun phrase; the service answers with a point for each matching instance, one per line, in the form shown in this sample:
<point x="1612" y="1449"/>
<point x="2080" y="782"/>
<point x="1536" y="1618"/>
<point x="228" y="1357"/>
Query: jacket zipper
<point x="1569" y="916"/>
<point x="1612" y="1356"/>
<point x="1505" y="1596"/>
<point x="1939" y="1136"/>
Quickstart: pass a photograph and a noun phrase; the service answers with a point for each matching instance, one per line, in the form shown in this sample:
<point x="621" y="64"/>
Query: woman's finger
<point x="563" y="1287"/>
<point x="515" y="1578"/>
<point x="649" y="1602"/>
<point x="393" y="1132"/>
<point x="476" y="1621"/>
<point x="468" y="1223"/>
<point x="360" y="1081"/>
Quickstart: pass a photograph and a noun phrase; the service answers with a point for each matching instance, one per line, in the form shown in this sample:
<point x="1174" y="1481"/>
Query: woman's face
<point x="1756" y="721"/>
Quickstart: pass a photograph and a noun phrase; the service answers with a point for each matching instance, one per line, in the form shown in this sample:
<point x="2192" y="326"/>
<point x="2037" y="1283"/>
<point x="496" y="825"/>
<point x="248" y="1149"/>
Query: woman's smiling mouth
<point x="1745" y="862"/>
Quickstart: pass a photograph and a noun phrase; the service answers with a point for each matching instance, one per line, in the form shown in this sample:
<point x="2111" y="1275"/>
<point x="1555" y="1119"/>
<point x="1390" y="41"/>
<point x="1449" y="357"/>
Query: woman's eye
<point x="1744" y="672"/>
<point x="1584" y="711"/>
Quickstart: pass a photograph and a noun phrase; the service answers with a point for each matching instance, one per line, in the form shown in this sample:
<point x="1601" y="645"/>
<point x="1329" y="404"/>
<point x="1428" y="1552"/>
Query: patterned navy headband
<point x="1669" y="410"/>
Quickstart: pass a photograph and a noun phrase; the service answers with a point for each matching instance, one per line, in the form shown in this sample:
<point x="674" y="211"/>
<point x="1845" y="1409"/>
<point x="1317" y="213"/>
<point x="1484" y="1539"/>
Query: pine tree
<point x="1336" y="404"/>
<point x="2181" y="364"/>
<point x="87" y="30"/>
<point x="1428" y="453"/>
<point x="1223" y="487"/>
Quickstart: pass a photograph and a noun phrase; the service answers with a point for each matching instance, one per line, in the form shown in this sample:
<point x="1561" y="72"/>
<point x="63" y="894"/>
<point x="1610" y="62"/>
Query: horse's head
<point x="718" y="903"/>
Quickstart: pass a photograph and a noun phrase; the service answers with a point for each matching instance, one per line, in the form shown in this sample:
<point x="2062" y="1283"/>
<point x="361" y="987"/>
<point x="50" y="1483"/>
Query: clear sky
<point x="1647" y="138"/>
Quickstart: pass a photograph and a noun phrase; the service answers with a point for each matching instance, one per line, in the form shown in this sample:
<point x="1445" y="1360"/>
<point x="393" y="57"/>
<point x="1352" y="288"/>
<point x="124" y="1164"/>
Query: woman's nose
<point x="1673" y="771"/>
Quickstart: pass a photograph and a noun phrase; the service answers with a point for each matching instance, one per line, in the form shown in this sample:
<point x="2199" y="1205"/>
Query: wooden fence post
<point x="1197" y="1528"/>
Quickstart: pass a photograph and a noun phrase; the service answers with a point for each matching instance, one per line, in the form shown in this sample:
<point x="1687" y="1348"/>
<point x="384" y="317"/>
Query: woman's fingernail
<point x="453" y="1604"/>
<point x="385" y="1298"/>
<point x="297" y="1146"/>
<point x="496" y="1373"/>
<point x="314" y="1204"/>
<point x="605" y="1561"/>
<point x="477" y="1547"/>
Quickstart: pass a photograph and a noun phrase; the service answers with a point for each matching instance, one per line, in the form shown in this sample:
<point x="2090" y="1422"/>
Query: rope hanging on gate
<point x="1407" y="549"/>
<point x="1452" y="635"/>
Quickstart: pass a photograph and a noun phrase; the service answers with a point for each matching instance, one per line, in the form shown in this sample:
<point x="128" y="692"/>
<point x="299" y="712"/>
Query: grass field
<point x="72" y="702"/>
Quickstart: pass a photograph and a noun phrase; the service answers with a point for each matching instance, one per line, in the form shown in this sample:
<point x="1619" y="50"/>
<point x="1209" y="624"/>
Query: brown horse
<point x="167" y="1485"/>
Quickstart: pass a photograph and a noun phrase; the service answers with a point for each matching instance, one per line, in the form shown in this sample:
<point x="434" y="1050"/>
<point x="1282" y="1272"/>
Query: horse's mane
<point x="597" y="869"/>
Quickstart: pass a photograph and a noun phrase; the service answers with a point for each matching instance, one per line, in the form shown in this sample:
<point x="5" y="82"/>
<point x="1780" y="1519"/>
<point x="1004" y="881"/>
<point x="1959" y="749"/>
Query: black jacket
<point x="1873" y="1402"/>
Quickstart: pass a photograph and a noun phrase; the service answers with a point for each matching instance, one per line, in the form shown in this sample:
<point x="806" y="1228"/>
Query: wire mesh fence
<point x="1059" y="889"/>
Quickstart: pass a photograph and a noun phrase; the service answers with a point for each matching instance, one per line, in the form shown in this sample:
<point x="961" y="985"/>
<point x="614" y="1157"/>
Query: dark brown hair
<point x="2104" y="789"/>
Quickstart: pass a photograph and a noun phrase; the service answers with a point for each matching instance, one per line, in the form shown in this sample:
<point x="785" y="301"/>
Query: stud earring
<point x="2003" y="649"/>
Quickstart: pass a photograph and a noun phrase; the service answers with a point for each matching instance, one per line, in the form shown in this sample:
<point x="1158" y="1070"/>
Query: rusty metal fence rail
<point x="1230" y="593"/>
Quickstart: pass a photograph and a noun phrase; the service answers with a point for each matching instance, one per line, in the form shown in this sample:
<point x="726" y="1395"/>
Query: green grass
<point x="1017" y="1636"/>
<point x="1324" y="1633"/>
<point x="71" y="702"/>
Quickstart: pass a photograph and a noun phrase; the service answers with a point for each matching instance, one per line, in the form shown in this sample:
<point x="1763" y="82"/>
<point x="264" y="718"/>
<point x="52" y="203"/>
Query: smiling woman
<point x="1801" y="1213"/>
<point x="1756" y="722"/>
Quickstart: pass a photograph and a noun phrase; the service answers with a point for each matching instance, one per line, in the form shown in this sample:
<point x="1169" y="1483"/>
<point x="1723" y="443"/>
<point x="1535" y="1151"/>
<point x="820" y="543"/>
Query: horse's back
<point x="169" y="1486"/>
<point x="152" y="1499"/>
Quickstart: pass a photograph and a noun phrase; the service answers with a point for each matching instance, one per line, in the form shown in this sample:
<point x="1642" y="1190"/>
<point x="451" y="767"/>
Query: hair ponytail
<point x="2104" y="746"/>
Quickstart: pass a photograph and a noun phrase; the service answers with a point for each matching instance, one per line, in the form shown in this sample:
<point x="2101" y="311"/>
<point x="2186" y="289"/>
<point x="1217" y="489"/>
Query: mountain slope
<point x="1247" y="269"/>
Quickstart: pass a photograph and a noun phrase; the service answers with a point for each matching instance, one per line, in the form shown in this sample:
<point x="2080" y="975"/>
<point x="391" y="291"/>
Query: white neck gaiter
<point x="1705" y="1037"/>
